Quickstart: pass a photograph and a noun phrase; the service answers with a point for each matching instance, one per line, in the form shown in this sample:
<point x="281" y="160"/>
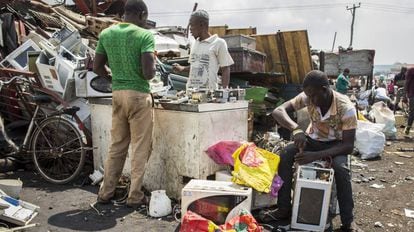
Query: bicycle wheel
<point x="58" y="150"/>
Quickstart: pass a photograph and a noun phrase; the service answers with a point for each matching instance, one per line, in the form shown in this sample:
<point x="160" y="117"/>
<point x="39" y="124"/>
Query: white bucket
<point x="160" y="204"/>
<point x="11" y="187"/>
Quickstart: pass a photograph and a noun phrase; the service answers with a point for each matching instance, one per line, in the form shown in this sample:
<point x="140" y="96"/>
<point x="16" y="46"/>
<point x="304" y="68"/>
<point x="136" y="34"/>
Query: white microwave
<point x="218" y="201"/>
<point x="312" y="197"/>
<point x="88" y="84"/>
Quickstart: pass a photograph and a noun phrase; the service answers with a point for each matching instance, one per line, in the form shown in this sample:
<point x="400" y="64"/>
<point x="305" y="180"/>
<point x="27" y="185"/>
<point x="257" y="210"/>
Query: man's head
<point x="403" y="69"/>
<point x="346" y="71"/>
<point x="199" y="22"/>
<point x="136" y="12"/>
<point x="316" y="87"/>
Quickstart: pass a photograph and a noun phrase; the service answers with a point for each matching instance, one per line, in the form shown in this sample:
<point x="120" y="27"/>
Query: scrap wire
<point x="92" y="205"/>
<point x="176" y="211"/>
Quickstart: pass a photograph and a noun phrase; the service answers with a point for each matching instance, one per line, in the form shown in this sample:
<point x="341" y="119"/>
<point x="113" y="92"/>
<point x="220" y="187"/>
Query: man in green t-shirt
<point x="128" y="49"/>
<point x="342" y="82"/>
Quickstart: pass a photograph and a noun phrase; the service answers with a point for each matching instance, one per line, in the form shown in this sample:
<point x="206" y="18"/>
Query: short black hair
<point x="346" y="70"/>
<point x="315" y="79"/>
<point x="135" y="6"/>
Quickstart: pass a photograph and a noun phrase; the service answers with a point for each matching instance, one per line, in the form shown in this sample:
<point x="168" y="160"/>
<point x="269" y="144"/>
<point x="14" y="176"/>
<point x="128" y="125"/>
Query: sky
<point x="384" y="25"/>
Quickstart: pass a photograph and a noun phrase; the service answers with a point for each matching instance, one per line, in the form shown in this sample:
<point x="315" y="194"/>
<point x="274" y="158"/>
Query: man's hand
<point x="177" y="68"/>
<point x="306" y="157"/>
<point x="299" y="137"/>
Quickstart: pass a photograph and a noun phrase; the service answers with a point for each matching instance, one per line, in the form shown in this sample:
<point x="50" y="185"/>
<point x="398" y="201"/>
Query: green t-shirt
<point x="123" y="44"/>
<point x="342" y="83"/>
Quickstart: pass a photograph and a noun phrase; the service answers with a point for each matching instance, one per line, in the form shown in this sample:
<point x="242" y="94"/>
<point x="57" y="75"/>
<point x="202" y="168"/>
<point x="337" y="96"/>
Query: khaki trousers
<point x="132" y="123"/>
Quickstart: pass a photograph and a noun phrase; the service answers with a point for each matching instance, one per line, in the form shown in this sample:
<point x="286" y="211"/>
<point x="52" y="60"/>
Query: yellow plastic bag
<point x="258" y="176"/>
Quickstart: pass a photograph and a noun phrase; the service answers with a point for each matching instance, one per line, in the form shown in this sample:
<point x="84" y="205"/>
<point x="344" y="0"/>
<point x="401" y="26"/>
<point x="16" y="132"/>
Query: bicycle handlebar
<point x="14" y="79"/>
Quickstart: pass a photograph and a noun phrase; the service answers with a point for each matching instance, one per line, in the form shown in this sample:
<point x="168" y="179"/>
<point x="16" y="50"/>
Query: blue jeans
<point x="342" y="177"/>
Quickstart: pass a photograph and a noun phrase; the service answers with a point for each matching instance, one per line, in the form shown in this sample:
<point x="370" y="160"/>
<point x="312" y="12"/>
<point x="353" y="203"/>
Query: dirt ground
<point x="67" y="208"/>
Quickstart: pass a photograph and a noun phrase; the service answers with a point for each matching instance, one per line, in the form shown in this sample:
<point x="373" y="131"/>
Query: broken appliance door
<point x="18" y="58"/>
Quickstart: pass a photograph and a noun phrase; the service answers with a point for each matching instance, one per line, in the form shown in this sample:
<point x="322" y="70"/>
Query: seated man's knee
<point x="288" y="153"/>
<point x="340" y="163"/>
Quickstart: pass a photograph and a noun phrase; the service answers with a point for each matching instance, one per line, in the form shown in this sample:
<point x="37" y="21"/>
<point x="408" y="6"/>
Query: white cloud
<point x="379" y="25"/>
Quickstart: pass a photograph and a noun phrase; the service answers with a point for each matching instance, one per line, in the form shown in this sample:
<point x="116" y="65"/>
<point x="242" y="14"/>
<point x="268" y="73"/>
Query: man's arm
<point x="346" y="146"/>
<point x="280" y="114"/>
<point x="225" y="76"/>
<point x="179" y="68"/>
<point x="148" y="65"/>
<point x="99" y="65"/>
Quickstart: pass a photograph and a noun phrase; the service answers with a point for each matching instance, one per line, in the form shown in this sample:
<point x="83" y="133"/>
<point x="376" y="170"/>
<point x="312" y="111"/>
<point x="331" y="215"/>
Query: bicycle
<point x="57" y="144"/>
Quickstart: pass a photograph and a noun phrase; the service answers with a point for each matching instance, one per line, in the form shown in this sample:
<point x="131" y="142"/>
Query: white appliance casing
<point x="83" y="85"/>
<point x="307" y="179"/>
<point x="199" y="189"/>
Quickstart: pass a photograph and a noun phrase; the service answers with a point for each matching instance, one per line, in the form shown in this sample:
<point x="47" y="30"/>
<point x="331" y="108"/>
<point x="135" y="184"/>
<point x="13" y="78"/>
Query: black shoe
<point x="139" y="205"/>
<point x="275" y="215"/>
<point x="102" y="201"/>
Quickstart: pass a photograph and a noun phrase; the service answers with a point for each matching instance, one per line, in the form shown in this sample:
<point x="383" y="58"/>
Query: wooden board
<point x="295" y="52"/>
<point x="268" y="45"/>
<point x="224" y="30"/>
<point x="360" y="62"/>
<point x="219" y="30"/>
<point x="241" y="31"/>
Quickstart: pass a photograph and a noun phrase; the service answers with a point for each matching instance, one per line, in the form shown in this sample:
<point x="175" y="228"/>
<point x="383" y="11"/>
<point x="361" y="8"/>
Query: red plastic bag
<point x="193" y="222"/>
<point x="245" y="222"/>
<point x="222" y="152"/>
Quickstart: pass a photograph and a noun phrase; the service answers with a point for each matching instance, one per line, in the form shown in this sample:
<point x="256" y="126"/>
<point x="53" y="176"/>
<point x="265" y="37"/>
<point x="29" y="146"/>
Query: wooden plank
<point x="297" y="53"/>
<point x="305" y="54"/>
<point x="294" y="50"/>
<point x="302" y="54"/>
<point x="268" y="45"/>
<point x="241" y="31"/>
<point x="290" y="56"/>
<point x="219" y="30"/>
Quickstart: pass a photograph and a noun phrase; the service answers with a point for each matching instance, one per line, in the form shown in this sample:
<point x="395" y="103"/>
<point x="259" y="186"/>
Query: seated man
<point x="331" y="134"/>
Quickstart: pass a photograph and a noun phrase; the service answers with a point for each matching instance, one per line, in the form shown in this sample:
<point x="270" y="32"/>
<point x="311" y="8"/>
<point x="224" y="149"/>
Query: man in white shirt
<point x="208" y="54"/>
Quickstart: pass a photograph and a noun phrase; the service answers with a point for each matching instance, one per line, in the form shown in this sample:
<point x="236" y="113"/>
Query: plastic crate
<point x="247" y="60"/>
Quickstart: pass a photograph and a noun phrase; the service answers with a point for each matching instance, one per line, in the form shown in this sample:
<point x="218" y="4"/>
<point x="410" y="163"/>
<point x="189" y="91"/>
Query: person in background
<point x="208" y="54"/>
<point x="399" y="79"/>
<point x="128" y="49"/>
<point x="342" y="82"/>
<point x="330" y="136"/>
<point x="409" y="91"/>
<point x="381" y="81"/>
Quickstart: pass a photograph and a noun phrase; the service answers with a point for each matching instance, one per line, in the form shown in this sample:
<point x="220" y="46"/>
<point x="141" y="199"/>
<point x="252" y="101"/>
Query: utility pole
<point x="352" y="9"/>
<point x="333" y="44"/>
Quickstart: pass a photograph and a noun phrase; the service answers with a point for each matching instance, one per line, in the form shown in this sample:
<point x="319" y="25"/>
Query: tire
<point x="58" y="150"/>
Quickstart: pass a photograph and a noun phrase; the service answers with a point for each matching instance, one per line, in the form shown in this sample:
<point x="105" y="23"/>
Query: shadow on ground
<point x="89" y="220"/>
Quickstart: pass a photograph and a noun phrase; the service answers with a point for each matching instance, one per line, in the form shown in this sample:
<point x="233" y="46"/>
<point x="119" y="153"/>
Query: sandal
<point x="278" y="214"/>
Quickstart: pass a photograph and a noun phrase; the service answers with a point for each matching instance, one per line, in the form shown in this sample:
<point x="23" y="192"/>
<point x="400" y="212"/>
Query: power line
<point x="259" y="9"/>
<point x="368" y="6"/>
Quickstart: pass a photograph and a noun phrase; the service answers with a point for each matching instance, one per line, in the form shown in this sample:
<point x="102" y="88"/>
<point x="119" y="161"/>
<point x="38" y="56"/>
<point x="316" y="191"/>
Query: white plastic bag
<point x="369" y="139"/>
<point x="382" y="114"/>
